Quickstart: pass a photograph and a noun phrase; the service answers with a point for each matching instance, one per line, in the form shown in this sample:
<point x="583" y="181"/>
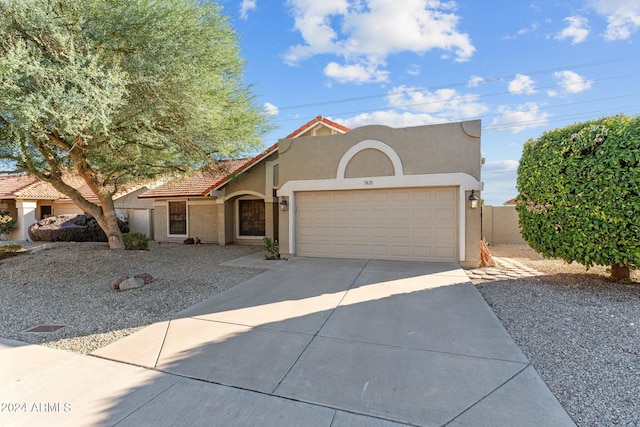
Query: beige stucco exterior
<point x="214" y="217"/>
<point x="440" y="163"/>
<point x="500" y="225"/>
<point x="379" y="157"/>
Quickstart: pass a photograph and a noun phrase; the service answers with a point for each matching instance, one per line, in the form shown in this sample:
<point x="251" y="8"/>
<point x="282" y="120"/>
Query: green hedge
<point x="579" y="192"/>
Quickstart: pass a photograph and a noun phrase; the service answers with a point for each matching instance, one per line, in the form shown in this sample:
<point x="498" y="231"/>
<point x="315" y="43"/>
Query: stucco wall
<point x="203" y="221"/>
<point x="253" y="180"/>
<point x="500" y="225"/>
<point x="160" y="221"/>
<point x="366" y="161"/>
<point x="131" y="201"/>
<point x="65" y="208"/>
<point x="446" y="148"/>
<point x="436" y="155"/>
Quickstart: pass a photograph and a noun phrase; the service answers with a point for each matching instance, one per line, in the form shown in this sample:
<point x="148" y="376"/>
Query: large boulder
<point x="70" y="228"/>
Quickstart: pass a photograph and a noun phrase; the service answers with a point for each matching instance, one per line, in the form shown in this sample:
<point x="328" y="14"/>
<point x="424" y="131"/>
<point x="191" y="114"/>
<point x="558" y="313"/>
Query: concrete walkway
<point x="313" y="342"/>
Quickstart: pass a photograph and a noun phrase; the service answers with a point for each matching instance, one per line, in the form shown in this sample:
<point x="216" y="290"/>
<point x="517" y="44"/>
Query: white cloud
<point x="623" y="17"/>
<point x="414" y="70"/>
<point x="246" y="7"/>
<point x="357" y="73"/>
<point x="572" y="82"/>
<point x="417" y="106"/>
<point x="500" y="166"/>
<point x="271" y="109"/>
<point x="475" y="81"/>
<point x="577" y="29"/>
<point x="522" y="84"/>
<point x="525" y="116"/>
<point x="533" y="27"/>
<point x="389" y="118"/>
<point x="446" y="104"/>
<point x="366" y="32"/>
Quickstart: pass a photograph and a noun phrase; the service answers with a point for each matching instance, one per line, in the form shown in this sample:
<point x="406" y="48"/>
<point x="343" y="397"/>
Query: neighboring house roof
<point x="200" y="184"/>
<point x="11" y="184"/>
<point x="28" y="187"/>
<point x="318" y="121"/>
<point x="510" y="202"/>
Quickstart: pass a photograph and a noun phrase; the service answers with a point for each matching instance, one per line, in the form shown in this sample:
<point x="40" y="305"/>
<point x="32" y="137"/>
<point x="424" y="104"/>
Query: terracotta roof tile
<point x="315" y="121"/>
<point x="28" y="187"/>
<point x="11" y="184"/>
<point x="199" y="183"/>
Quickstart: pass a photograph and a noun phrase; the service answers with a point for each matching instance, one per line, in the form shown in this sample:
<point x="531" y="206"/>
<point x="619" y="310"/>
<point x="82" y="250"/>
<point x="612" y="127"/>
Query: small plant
<point x="271" y="246"/>
<point x="7" y="223"/>
<point x="135" y="241"/>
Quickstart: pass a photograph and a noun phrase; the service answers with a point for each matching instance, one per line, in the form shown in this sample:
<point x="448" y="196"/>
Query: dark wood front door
<point x="251" y="217"/>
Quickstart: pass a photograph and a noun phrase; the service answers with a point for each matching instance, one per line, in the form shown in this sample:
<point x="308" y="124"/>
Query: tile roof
<point x="11" y="184"/>
<point x="28" y="187"/>
<point x="316" y="121"/>
<point x="199" y="183"/>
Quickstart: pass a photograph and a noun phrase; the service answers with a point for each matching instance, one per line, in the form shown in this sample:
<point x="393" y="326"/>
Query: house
<point x="327" y="191"/>
<point x="374" y="192"/>
<point x="234" y="202"/>
<point x="383" y="193"/>
<point x="28" y="200"/>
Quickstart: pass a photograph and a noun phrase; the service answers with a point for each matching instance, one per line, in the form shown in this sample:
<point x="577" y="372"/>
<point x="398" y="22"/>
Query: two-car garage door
<point x="412" y="224"/>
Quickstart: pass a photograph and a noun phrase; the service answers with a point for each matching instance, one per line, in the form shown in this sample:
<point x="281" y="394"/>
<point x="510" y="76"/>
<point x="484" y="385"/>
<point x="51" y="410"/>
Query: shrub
<point x="70" y="228"/>
<point x="7" y="223"/>
<point x="271" y="246"/>
<point x="135" y="241"/>
<point x="579" y="193"/>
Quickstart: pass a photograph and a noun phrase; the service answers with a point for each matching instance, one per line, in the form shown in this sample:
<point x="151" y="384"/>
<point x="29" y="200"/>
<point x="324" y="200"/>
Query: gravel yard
<point x="579" y="330"/>
<point x="71" y="286"/>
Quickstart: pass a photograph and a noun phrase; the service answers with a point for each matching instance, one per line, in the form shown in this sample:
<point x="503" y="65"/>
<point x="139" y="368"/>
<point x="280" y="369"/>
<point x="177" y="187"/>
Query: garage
<point x="411" y="224"/>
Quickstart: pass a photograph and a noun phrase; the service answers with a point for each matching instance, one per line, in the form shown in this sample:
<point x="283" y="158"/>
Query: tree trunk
<point x="620" y="272"/>
<point x="109" y="223"/>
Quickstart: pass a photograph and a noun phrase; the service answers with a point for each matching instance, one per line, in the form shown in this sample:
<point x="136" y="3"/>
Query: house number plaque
<point x="368" y="182"/>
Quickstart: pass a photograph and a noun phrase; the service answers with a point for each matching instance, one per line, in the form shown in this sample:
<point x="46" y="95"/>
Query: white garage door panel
<point x="406" y="224"/>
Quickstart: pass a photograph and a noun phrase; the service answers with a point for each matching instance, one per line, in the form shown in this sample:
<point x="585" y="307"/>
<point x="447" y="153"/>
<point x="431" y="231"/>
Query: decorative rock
<point x="131" y="283"/>
<point x="146" y="277"/>
<point x="116" y="285"/>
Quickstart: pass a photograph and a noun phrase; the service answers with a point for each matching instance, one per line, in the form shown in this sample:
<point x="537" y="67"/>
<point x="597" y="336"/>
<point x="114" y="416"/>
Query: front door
<point x="252" y="217"/>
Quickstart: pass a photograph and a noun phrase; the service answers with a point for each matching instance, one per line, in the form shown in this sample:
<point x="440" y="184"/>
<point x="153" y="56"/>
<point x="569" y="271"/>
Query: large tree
<point x="120" y="92"/>
<point x="579" y="193"/>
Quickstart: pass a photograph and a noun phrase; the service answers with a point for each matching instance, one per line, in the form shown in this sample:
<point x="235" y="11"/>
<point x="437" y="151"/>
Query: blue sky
<point x="522" y="67"/>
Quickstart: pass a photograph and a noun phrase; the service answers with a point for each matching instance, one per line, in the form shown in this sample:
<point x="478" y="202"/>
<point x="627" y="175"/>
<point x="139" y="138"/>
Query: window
<point x="251" y="217"/>
<point x="45" y="212"/>
<point x="178" y="218"/>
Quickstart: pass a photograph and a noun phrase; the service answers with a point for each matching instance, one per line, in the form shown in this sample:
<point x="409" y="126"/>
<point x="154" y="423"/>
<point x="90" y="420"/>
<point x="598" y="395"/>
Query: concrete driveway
<point x="313" y="342"/>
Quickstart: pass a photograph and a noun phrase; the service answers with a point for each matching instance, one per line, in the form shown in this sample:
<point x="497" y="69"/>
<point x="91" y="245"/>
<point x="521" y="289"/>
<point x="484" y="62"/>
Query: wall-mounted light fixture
<point x="473" y="200"/>
<point x="283" y="204"/>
